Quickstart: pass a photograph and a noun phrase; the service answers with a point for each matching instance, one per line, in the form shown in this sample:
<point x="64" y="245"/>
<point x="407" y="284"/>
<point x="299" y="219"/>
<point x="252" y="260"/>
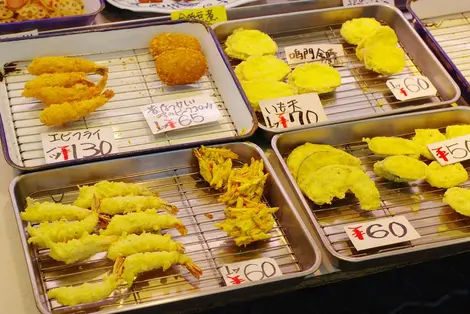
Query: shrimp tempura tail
<point x="62" y="65"/>
<point x="58" y="114"/>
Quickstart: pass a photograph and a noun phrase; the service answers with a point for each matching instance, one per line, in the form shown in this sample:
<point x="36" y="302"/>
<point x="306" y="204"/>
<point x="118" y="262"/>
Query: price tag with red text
<point x="249" y="271"/>
<point x="70" y="145"/>
<point x="411" y="87"/>
<point x="451" y="151"/>
<point x="381" y="232"/>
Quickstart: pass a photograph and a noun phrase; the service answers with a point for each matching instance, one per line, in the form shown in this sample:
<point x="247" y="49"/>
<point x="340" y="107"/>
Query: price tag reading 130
<point x="451" y="151"/>
<point x="411" y="87"/>
<point x="381" y="232"/>
<point x="249" y="271"/>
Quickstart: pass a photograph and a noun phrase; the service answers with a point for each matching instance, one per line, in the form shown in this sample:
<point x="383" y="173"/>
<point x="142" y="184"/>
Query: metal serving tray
<point x="446" y="30"/>
<point x="363" y="94"/>
<point x="175" y="176"/>
<point x="442" y="230"/>
<point x="132" y="75"/>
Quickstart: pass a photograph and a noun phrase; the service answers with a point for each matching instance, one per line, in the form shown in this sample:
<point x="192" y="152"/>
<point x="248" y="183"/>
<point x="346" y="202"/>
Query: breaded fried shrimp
<point x="62" y="64"/>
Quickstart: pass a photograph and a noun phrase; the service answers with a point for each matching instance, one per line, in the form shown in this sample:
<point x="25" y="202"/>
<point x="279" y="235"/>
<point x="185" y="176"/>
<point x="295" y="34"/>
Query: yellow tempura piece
<point x="427" y="136"/>
<point x="215" y="164"/>
<point x="149" y="220"/>
<point x="388" y="146"/>
<point x="384" y="59"/>
<point x="458" y="199"/>
<point x="62" y="65"/>
<point x="244" y="43"/>
<point x="400" y="169"/>
<point x="106" y="189"/>
<point x="384" y="34"/>
<point x="314" y="77"/>
<point x="457" y="130"/>
<point x="127" y="204"/>
<point x="48" y="211"/>
<point x="145" y="242"/>
<point x="446" y="176"/>
<point x="353" y="31"/>
<point x="262" y="67"/>
<point x="257" y="90"/>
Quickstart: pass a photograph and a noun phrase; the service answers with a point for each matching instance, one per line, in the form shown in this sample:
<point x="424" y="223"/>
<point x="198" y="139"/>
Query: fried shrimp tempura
<point x="215" y="164"/>
<point x="169" y="41"/>
<point x="446" y="176"/>
<point x="424" y="137"/>
<point x="59" y="114"/>
<point x="388" y="146"/>
<point x="143" y="262"/>
<point x="127" y="204"/>
<point x="458" y="199"/>
<point x="263" y="89"/>
<point x="384" y="34"/>
<point x="244" y="43"/>
<point x="355" y="30"/>
<point x="142" y="243"/>
<point x="262" y="67"/>
<point x="400" y="169"/>
<point x="48" y="211"/>
<point x="457" y="130"/>
<point x="314" y="77"/>
<point x="55" y="80"/>
<point x="107" y="189"/>
<point x="149" y="220"/>
<point x="181" y="66"/>
<point x="63" y="64"/>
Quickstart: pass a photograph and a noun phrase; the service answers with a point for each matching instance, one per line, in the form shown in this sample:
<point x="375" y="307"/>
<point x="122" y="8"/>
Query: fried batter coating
<point x="59" y="114"/>
<point x="423" y="137"/>
<point x="244" y="43"/>
<point x="181" y="66"/>
<point x="215" y="164"/>
<point x="458" y="199"/>
<point x="262" y="68"/>
<point x="400" y="169"/>
<point x="48" y="212"/>
<point x="55" y="80"/>
<point x="384" y="59"/>
<point x="263" y="89"/>
<point x="389" y="146"/>
<point x="355" y="30"/>
<point x="315" y="77"/>
<point x="63" y="64"/>
<point x="131" y="203"/>
<point x="457" y="130"/>
<point x="169" y="41"/>
<point x="446" y="176"/>
<point x="384" y="34"/>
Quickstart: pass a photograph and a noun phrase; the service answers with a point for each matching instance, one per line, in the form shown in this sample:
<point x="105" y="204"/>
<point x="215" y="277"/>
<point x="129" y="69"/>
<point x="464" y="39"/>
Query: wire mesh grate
<point x="208" y="246"/>
<point x="133" y="78"/>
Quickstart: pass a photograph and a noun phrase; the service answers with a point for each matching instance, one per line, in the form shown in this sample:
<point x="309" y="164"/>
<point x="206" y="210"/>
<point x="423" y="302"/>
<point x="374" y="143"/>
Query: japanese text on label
<point x="292" y="111"/>
<point x="381" y="232"/>
<point x="361" y="2"/>
<point x="330" y="54"/>
<point x="210" y="15"/>
<point x="181" y="113"/>
<point x="252" y="270"/>
<point x="411" y="87"/>
<point x="71" y="145"/>
<point x="451" y="151"/>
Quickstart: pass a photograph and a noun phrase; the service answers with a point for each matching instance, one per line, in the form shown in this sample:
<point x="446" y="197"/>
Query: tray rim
<point x="300" y="196"/>
<point x="213" y="291"/>
<point x="129" y="25"/>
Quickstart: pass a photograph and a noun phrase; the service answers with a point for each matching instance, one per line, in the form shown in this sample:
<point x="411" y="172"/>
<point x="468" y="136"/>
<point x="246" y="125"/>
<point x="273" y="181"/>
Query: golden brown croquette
<point x="181" y="66"/>
<point x="168" y="41"/>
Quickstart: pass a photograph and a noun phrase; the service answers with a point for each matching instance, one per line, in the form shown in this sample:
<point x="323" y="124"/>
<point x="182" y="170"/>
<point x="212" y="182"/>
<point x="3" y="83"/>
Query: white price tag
<point x="34" y="32"/>
<point x="411" y="87"/>
<point x="381" y="232"/>
<point x="348" y="3"/>
<point x="451" y="151"/>
<point x="252" y="270"/>
<point x="180" y="113"/>
<point x="292" y="111"/>
<point x="70" y="145"/>
<point x="327" y="53"/>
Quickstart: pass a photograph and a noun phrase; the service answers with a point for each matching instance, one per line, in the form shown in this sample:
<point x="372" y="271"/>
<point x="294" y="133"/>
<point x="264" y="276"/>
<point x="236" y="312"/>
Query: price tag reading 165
<point x="249" y="271"/>
<point x="451" y="151"/>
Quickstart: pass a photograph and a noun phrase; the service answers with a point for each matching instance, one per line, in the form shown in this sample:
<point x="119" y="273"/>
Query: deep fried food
<point x="47" y="212"/>
<point x="145" y="242"/>
<point x="63" y="64"/>
<point x="388" y="146"/>
<point x="355" y="30"/>
<point x="400" y="169"/>
<point x="423" y="137"/>
<point x="169" y="41"/>
<point x="457" y="130"/>
<point x="262" y="67"/>
<point x="458" y="199"/>
<point x="107" y="189"/>
<point x="143" y="262"/>
<point x="384" y="59"/>
<point x="149" y="220"/>
<point x="263" y="89"/>
<point x="181" y="66"/>
<point x="244" y="43"/>
<point x="55" y="80"/>
<point x="59" y="114"/>
<point x="130" y="203"/>
<point x="215" y="164"/>
<point x="384" y="34"/>
<point x="314" y="77"/>
<point x="446" y="176"/>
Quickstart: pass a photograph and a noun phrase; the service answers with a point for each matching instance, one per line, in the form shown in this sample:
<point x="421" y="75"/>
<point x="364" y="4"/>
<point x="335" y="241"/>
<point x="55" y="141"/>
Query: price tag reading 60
<point x="249" y="271"/>
<point x="411" y="87"/>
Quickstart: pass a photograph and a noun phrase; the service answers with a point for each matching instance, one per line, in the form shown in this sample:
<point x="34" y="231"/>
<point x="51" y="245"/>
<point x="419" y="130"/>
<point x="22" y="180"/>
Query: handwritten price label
<point x="181" y="113"/>
<point x="381" y="232"/>
<point x="32" y="33"/>
<point x="292" y="111"/>
<point x="325" y="53"/>
<point x="411" y="87"/>
<point x="209" y="15"/>
<point x="451" y="151"/>
<point x="63" y="146"/>
<point x="249" y="271"/>
<point x="348" y="3"/>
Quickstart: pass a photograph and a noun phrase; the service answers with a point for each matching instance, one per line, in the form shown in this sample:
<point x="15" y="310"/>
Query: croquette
<point x="353" y="31"/>
<point x="169" y="41"/>
<point x="384" y="59"/>
<point x="181" y="66"/>
<point x="263" y="89"/>
<point x="384" y="34"/>
<point x="244" y="43"/>
<point x="262" y="67"/>
<point x="314" y="77"/>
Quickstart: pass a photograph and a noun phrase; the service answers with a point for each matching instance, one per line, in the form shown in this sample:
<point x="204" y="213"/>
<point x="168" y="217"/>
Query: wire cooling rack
<point x="133" y="78"/>
<point x="209" y="247"/>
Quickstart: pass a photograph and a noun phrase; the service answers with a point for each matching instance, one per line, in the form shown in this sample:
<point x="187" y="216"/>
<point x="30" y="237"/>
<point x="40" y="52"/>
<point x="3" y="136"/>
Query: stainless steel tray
<point x="363" y="94"/>
<point x="442" y="230"/>
<point x="124" y="50"/>
<point x="175" y="176"/>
